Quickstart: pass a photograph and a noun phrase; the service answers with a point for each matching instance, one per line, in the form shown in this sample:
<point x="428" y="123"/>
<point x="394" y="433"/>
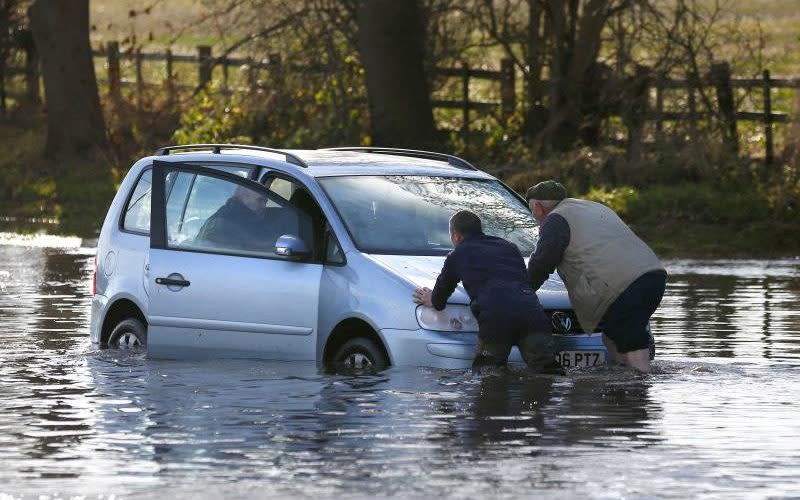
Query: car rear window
<point x="137" y="212"/>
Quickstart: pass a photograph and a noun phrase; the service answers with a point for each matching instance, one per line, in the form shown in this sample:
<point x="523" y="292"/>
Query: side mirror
<point x="293" y="247"/>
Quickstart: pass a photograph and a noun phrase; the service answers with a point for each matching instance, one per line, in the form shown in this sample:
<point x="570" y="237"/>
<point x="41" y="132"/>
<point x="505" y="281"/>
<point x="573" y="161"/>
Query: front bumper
<point x="456" y="350"/>
<point x="99" y="303"/>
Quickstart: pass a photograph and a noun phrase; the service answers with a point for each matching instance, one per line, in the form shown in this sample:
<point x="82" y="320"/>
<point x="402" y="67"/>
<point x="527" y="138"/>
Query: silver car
<point x="242" y="251"/>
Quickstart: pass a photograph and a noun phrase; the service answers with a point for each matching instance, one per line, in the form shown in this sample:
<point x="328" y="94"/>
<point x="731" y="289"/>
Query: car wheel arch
<point x="121" y="309"/>
<point x="348" y="329"/>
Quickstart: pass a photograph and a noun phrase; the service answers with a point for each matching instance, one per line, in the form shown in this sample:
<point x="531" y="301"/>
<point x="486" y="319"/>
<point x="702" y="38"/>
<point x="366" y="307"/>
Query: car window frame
<point x="253" y="175"/>
<point x="158" y="236"/>
<point x="270" y="172"/>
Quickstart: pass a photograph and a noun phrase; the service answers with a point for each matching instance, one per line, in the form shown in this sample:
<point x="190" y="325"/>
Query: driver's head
<point x="463" y="225"/>
<point x="543" y="198"/>
<point x="253" y="200"/>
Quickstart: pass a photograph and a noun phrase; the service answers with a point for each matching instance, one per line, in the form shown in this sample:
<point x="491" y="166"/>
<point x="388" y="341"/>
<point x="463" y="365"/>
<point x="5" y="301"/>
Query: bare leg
<point x="639" y="359"/>
<point x="612" y="348"/>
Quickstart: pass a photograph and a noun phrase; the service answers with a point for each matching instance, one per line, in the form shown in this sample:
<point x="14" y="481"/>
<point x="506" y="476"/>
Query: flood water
<point x="719" y="418"/>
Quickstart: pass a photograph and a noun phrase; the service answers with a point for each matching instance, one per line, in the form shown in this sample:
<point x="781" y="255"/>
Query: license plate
<point x="580" y="359"/>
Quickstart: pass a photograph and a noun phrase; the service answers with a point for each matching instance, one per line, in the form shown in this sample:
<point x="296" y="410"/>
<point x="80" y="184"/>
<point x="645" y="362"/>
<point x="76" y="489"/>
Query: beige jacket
<point x="603" y="257"/>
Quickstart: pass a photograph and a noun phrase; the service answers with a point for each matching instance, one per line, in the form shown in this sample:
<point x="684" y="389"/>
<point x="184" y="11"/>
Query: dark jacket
<point x="554" y="238"/>
<point x="493" y="273"/>
<point x="234" y="226"/>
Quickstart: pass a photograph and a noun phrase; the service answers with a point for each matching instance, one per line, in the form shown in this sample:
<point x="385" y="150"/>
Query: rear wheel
<point x="128" y="334"/>
<point x="359" y="355"/>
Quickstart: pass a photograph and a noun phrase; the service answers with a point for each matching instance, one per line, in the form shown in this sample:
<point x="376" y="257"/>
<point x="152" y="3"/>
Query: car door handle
<point x="172" y="282"/>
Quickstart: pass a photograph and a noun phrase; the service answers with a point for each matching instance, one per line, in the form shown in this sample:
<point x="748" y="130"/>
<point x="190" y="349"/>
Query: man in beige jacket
<point x="611" y="275"/>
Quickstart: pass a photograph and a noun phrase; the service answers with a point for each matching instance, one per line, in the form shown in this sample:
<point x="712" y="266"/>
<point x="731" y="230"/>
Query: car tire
<point x="128" y="334"/>
<point x="359" y="355"/>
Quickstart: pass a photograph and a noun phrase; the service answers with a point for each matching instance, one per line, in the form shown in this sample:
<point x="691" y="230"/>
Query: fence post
<point x="112" y="53"/>
<point x="3" y="88"/>
<point x="693" y="84"/>
<point x="275" y="67"/>
<point x="170" y="77"/>
<point x="139" y="79"/>
<point x="225" y="73"/>
<point x="659" y="106"/>
<point x="769" y="155"/>
<point x="635" y="117"/>
<point x="205" y="67"/>
<point x="252" y="75"/>
<point x="721" y="77"/>
<point x="508" y="94"/>
<point x="32" y="71"/>
<point x="465" y="100"/>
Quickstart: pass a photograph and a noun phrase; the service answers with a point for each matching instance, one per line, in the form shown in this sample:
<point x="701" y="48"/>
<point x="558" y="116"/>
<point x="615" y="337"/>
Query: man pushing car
<point x="493" y="273"/>
<point x="611" y="275"/>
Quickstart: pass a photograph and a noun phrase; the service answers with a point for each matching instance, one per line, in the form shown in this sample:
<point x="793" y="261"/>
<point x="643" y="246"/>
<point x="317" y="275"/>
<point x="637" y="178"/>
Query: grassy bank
<point x="708" y="221"/>
<point x="697" y="207"/>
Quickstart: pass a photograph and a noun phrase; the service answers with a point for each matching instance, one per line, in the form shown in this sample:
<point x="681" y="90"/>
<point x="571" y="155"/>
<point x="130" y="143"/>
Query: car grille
<point x="575" y="326"/>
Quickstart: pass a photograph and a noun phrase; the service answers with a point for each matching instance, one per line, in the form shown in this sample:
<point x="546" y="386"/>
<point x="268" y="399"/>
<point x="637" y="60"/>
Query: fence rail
<point x="719" y="79"/>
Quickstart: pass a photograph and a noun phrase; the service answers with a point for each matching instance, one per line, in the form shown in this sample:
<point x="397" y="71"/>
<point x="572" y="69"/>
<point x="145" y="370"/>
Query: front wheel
<point x="359" y="355"/>
<point x="128" y="334"/>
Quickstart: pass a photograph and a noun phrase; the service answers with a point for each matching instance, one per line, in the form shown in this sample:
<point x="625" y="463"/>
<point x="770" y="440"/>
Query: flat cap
<point x="547" y="190"/>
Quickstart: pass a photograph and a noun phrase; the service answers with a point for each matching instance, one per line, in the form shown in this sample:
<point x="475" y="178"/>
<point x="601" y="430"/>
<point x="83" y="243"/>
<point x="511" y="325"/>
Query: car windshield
<point x="409" y="215"/>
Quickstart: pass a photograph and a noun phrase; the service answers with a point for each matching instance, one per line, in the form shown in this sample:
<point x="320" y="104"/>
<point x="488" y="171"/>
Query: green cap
<point x="547" y="190"/>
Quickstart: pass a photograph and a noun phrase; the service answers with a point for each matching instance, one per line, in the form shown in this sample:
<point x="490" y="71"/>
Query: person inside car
<point x="508" y="311"/>
<point x="242" y="223"/>
<point x="611" y="275"/>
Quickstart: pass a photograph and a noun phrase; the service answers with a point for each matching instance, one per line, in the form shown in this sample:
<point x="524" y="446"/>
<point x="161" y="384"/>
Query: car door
<point x="216" y="285"/>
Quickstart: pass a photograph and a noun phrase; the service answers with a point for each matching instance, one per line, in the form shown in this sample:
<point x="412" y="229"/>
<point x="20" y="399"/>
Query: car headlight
<point x="454" y="318"/>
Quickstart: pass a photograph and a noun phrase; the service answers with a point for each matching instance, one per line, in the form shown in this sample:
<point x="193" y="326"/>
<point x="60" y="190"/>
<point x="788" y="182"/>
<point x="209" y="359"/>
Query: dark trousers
<point x="527" y="327"/>
<point x="626" y="319"/>
<point x="537" y="351"/>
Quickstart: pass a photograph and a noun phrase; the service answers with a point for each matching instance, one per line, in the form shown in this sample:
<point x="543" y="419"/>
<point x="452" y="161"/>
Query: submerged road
<point x="719" y="418"/>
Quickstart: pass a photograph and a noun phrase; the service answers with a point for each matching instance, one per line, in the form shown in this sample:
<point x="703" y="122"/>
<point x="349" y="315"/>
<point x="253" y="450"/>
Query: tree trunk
<point x="536" y="48"/>
<point x="535" y="52"/>
<point x="578" y="80"/>
<point x="391" y="47"/>
<point x="75" y="124"/>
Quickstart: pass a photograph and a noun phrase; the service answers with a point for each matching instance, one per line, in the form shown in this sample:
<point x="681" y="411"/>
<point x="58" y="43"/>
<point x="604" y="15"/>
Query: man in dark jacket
<point x="506" y="307"/>
<point x="240" y="224"/>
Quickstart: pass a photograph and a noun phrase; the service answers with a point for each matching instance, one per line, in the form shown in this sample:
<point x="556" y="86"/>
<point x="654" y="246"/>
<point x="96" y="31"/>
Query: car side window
<point x="300" y="198"/>
<point x="137" y="212"/>
<point x="177" y="200"/>
<point x="221" y="216"/>
<point x="282" y="187"/>
<point x="333" y="252"/>
<point x="136" y="217"/>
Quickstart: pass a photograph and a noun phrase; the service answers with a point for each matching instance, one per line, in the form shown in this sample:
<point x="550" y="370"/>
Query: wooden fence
<point x="648" y="99"/>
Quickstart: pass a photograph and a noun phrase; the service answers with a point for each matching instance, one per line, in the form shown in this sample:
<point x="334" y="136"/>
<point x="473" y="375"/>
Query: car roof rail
<point x="414" y="153"/>
<point x="217" y="148"/>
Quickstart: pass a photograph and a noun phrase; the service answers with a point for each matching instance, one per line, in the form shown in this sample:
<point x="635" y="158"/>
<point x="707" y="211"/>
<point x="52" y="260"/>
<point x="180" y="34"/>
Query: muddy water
<point x="720" y="418"/>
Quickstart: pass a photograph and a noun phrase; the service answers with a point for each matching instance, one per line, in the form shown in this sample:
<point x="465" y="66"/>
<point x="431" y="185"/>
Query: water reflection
<point x="751" y="315"/>
<point x="717" y="416"/>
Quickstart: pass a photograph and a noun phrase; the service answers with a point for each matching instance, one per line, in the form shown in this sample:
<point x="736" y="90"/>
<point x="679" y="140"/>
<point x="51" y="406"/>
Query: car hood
<point x="421" y="271"/>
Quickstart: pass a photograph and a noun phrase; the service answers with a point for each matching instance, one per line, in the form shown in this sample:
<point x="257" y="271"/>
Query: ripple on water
<point x="717" y="417"/>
